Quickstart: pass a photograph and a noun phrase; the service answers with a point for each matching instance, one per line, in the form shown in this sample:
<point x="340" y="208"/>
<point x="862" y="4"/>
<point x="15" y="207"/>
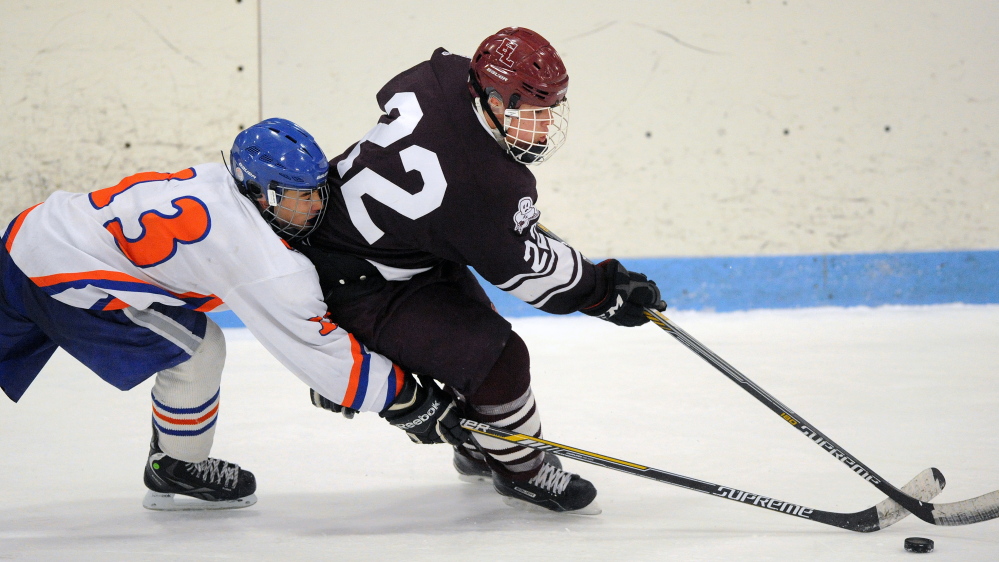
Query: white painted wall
<point x="677" y="142"/>
<point x="679" y="109"/>
<point x="95" y="90"/>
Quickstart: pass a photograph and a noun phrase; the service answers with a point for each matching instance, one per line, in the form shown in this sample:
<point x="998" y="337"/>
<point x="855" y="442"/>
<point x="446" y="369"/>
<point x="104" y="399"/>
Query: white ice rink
<point x="901" y="388"/>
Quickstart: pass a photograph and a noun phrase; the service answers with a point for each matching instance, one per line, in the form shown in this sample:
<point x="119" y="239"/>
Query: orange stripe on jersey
<point x="100" y="275"/>
<point x="355" y="371"/>
<point x="48" y="280"/>
<point x="213" y="302"/>
<point x="103" y="197"/>
<point x="400" y="378"/>
<point x="17" y="226"/>
<point x="210" y="305"/>
<point x="180" y="421"/>
<point x="115" y="304"/>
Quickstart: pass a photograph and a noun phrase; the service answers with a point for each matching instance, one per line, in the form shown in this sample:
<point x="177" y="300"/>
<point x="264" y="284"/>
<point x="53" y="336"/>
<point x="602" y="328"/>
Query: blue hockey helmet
<point x="279" y="162"/>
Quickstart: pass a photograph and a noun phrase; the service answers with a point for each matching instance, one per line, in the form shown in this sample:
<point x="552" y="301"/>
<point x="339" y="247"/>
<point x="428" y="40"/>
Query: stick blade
<point x="975" y="510"/>
<point x="924" y="487"/>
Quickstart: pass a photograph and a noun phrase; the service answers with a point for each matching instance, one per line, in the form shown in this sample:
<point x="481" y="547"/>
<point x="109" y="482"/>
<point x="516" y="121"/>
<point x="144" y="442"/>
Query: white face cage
<point x="534" y="134"/>
<point x="294" y="213"/>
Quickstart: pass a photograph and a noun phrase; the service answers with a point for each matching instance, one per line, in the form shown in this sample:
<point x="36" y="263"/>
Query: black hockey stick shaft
<point x="929" y="483"/>
<point x="975" y="510"/>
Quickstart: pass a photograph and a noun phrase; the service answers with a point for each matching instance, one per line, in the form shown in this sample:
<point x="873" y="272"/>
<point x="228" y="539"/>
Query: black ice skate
<point x="552" y="488"/>
<point x="472" y="466"/>
<point x="209" y="484"/>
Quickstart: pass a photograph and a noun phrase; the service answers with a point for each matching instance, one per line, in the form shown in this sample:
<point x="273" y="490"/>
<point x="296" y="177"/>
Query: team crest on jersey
<point x="326" y="326"/>
<point x="525" y="215"/>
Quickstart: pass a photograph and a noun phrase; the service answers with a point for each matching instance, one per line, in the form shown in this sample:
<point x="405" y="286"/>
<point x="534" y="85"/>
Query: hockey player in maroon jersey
<point x="439" y="184"/>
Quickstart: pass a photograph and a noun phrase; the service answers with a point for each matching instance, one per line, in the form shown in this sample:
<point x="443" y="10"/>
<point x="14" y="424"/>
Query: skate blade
<point x="157" y="501"/>
<point x="593" y="508"/>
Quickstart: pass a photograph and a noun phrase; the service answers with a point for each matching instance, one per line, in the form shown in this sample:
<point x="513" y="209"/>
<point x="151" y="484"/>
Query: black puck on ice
<point x="918" y="544"/>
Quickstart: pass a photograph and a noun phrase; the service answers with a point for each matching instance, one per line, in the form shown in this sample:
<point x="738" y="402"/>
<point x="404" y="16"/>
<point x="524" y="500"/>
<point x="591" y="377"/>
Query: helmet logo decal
<point x="505" y="51"/>
<point x="526" y="213"/>
<point x="242" y="168"/>
<point x="497" y="74"/>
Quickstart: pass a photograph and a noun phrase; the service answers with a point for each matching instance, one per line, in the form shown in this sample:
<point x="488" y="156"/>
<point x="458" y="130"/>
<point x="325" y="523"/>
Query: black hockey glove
<point x="628" y="295"/>
<point x="320" y="401"/>
<point x="426" y="413"/>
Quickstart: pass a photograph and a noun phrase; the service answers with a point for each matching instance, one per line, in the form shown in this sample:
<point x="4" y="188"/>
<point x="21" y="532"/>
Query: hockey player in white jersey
<point x="121" y="279"/>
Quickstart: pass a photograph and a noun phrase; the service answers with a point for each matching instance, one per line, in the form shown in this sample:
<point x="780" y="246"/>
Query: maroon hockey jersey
<point x="428" y="183"/>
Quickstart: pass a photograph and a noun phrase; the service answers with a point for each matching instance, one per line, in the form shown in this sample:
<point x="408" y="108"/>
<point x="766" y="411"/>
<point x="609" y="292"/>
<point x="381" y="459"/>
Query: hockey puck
<point x="918" y="544"/>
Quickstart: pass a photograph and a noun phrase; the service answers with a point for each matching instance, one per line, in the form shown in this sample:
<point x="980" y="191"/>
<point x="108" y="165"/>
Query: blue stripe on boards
<point x="226" y="319"/>
<point x="743" y="283"/>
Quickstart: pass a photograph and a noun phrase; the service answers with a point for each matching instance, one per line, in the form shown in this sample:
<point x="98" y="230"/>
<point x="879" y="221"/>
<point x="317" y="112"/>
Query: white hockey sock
<point x="186" y="400"/>
<point x="520" y="416"/>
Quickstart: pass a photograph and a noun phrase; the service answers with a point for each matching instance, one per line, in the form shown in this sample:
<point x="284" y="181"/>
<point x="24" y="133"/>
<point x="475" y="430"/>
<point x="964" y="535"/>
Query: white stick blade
<point x="975" y="510"/>
<point x="924" y="487"/>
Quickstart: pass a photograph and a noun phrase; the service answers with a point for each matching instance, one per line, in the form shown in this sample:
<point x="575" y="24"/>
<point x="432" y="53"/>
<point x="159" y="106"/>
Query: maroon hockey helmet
<point x="516" y="66"/>
<point x="520" y="66"/>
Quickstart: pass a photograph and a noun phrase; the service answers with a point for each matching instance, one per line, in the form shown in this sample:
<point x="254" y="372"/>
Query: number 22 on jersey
<point x="161" y="233"/>
<point x="367" y="181"/>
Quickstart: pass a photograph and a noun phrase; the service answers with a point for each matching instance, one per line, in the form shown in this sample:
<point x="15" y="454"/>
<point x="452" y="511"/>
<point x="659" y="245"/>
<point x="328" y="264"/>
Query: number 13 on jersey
<point x="161" y="233"/>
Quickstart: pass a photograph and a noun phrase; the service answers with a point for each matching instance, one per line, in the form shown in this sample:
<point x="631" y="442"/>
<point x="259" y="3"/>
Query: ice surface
<point x="901" y="388"/>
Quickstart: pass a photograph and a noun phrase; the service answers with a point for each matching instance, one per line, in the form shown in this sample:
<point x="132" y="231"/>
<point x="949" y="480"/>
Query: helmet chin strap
<point x="482" y="102"/>
<point x="481" y="105"/>
<point x="496" y="132"/>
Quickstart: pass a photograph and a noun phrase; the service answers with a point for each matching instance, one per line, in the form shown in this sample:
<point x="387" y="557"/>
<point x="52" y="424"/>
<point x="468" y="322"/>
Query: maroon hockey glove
<point x="426" y="413"/>
<point x="320" y="401"/>
<point x="628" y="295"/>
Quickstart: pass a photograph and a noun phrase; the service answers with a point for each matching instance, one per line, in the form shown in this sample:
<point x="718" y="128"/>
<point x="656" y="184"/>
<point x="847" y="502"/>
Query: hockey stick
<point x="974" y="510"/>
<point x="927" y="484"/>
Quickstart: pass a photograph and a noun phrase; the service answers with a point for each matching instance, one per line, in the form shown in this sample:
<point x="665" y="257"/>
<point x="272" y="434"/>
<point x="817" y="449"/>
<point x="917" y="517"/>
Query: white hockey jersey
<point x="190" y="239"/>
